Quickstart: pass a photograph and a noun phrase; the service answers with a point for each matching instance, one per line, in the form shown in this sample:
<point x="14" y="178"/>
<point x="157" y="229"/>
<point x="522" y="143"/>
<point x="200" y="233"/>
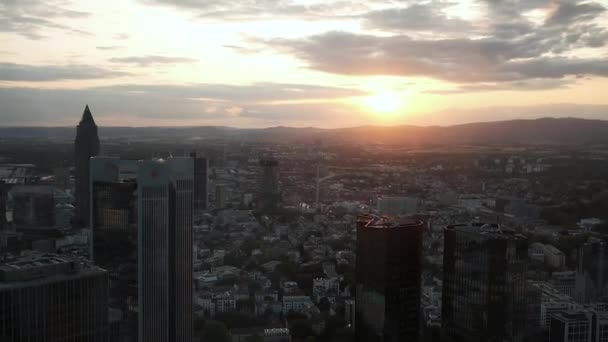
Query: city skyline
<point x="294" y="63"/>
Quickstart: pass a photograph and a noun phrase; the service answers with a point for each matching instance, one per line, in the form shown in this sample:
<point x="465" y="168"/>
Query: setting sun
<point x="387" y="102"/>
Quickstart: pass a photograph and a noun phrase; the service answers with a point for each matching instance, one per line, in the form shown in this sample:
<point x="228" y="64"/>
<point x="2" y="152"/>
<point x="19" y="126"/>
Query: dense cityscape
<point x="120" y="238"/>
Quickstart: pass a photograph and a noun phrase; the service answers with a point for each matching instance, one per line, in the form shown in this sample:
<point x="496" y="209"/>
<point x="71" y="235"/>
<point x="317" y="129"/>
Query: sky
<point x="302" y="63"/>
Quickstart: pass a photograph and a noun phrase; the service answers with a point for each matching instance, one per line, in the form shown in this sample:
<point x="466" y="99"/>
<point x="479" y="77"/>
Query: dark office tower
<point x="85" y="147"/>
<point x="484" y="283"/>
<point x="114" y="211"/>
<point x="165" y="250"/>
<point x="269" y="194"/>
<point x="592" y="271"/>
<point x="389" y="256"/>
<point x="53" y="298"/>
<point x="201" y="181"/>
<point x="3" y="195"/>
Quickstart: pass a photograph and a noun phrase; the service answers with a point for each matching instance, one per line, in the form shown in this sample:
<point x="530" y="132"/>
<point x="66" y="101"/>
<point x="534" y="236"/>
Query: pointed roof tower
<point x="87" y="117"/>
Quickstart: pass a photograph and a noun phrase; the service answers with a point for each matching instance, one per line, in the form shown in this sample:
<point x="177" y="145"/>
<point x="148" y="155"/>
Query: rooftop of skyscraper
<point x="42" y="268"/>
<point x="486" y="229"/>
<point x="377" y="221"/>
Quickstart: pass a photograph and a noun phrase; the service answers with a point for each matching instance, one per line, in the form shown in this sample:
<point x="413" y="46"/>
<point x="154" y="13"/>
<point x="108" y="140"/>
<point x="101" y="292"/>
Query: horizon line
<point x="313" y="127"/>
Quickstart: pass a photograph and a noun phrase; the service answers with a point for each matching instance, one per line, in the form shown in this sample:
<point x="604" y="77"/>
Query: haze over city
<point x="301" y="63"/>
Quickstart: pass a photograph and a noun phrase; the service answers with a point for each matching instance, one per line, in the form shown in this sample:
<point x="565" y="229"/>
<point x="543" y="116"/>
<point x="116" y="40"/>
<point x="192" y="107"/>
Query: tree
<point x="324" y="305"/>
<point x="215" y="332"/>
<point x="254" y="338"/>
<point x="301" y="328"/>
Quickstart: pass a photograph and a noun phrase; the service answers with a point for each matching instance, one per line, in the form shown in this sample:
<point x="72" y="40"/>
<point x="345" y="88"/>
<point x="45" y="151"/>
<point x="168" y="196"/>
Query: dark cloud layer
<point x="43" y="73"/>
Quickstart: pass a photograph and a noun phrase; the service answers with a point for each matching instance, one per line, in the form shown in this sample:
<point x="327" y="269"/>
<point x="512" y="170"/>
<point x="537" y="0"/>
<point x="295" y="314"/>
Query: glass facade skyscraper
<point x="165" y="198"/>
<point x="484" y="285"/>
<point x="53" y="298"/>
<point x="388" y="270"/>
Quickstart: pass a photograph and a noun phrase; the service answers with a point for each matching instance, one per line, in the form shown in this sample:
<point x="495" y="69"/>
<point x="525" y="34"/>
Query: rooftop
<point x="380" y="222"/>
<point x="488" y="229"/>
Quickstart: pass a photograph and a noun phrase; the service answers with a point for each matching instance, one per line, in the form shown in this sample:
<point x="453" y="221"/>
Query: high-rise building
<point x="388" y="285"/>
<point x="592" y="271"/>
<point x="220" y="196"/>
<point x="114" y="234"/>
<point x="113" y="211"/>
<point x="269" y="194"/>
<point x="3" y="195"/>
<point x="165" y="191"/>
<point x="86" y="146"/>
<point x="201" y="181"/>
<point x="484" y="283"/>
<point x="53" y="298"/>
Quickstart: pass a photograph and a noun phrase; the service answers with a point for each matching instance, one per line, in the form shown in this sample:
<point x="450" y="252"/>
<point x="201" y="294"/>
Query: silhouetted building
<point x="165" y="189"/>
<point x="3" y="195"/>
<point x="201" y="181"/>
<point x="114" y="235"/>
<point x="33" y="205"/>
<point x="53" y="298"/>
<point x="591" y="271"/>
<point x="86" y="146"/>
<point x="388" y="288"/>
<point x="484" y="283"/>
<point x="220" y="196"/>
<point x="269" y="194"/>
<point x="114" y="211"/>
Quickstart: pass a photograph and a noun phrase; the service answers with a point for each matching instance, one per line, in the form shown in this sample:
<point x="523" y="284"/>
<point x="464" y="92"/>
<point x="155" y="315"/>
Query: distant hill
<point x="566" y="131"/>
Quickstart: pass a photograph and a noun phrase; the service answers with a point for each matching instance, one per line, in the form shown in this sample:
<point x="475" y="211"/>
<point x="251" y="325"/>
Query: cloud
<point x="568" y="12"/>
<point x="109" y="47"/>
<point x="30" y="18"/>
<point x="259" y="92"/>
<point x="459" y="60"/>
<point x="262" y="102"/>
<point x="528" y="85"/>
<point x="121" y="36"/>
<point x="265" y="9"/>
<point x="152" y="60"/>
<point x="416" y="17"/>
<point x="24" y="72"/>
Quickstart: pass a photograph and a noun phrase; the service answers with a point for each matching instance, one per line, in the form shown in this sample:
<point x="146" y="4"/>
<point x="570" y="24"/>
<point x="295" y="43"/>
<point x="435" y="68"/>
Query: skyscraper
<point x="201" y="181"/>
<point x="165" y="190"/>
<point x="3" y="195"/>
<point x="113" y="211"/>
<point x="114" y="233"/>
<point x="86" y="146"/>
<point x="269" y="194"/>
<point x="388" y="270"/>
<point x="53" y="298"/>
<point x="591" y="272"/>
<point x="484" y="283"/>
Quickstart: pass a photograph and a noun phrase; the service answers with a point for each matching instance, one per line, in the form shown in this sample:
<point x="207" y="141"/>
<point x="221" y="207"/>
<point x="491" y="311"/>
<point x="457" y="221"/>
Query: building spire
<point x="87" y="117"/>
